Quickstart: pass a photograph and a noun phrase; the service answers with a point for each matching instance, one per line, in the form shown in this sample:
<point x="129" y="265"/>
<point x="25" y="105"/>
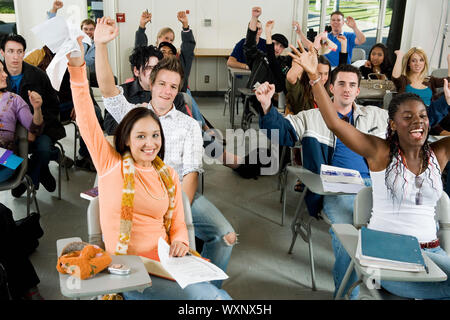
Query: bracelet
<point x="313" y="82"/>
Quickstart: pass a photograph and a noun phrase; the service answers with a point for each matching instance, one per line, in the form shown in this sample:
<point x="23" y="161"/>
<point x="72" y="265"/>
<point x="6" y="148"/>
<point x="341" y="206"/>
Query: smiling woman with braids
<point x="405" y="170"/>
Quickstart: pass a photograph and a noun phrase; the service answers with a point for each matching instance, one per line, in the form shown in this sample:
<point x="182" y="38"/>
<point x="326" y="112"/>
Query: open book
<point x="385" y="250"/>
<point x="335" y="179"/>
<point x="185" y="270"/>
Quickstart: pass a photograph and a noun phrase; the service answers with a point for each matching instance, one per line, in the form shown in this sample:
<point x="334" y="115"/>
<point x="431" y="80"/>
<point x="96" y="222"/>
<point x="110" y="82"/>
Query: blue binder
<point x="390" y="246"/>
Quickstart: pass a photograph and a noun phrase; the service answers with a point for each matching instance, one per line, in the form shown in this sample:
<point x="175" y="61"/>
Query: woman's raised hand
<point x="106" y="30"/>
<point x="306" y="59"/>
<point x="77" y="60"/>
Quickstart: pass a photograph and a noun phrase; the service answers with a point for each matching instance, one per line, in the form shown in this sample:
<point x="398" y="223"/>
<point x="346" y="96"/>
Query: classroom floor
<point x="260" y="267"/>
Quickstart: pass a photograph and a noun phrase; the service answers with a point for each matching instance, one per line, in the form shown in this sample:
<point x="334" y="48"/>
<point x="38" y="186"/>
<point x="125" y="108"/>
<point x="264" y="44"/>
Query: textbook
<point x="9" y="159"/>
<point x="385" y="250"/>
<point x="90" y="194"/>
<point x="184" y="270"/>
<point x="335" y="179"/>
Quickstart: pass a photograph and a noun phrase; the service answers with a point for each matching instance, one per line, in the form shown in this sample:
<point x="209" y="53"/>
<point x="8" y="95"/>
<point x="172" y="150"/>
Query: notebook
<point x="90" y="194"/>
<point x="387" y="250"/>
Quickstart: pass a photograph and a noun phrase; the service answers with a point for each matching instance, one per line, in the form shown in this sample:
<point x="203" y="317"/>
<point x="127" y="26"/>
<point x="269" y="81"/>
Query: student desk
<point x="212" y="53"/>
<point x="348" y="235"/>
<point x="104" y="282"/>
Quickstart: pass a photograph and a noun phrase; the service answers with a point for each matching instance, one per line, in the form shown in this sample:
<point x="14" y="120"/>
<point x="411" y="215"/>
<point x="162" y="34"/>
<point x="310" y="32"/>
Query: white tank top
<point x="402" y="215"/>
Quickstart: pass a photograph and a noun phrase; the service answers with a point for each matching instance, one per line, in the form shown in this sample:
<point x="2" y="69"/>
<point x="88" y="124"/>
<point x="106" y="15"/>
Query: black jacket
<point x="34" y="79"/>
<point x="265" y="67"/>
<point x="134" y="94"/>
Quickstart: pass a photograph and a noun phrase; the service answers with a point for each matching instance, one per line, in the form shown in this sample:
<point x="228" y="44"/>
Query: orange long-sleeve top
<point x="148" y="212"/>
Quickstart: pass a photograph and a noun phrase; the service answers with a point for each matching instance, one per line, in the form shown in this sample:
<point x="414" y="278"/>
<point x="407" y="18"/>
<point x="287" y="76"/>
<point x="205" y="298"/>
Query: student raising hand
<point x="77" y="59"/>
<point x="307" y="59"/>
<point x="264" y="94"/>
<point x="182" y="17"/>
<point x="105" y="31"/>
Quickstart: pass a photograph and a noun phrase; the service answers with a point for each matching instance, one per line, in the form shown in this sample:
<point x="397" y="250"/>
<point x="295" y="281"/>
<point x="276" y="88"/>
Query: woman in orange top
<point x="140" y="198"/>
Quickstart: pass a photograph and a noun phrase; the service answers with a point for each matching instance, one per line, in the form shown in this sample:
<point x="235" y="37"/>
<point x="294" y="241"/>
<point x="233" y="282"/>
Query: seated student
<point x="183" y="143"/>
<point x="299" y="96"/>
<point x="406" y="175"/>
<point x="15" y="109"/>
<point x="23" y="78"/>
<point x="167" y="35"/>
<point x="321" y="146"/>
<point x="156" y="204"/>
<point x="272" y="66"/>
<point x="337" y="22"/>
<point x="378" y="63"/>
<point x="237" y="58"/>
<point x="41" y="58"/>
<point x="410" y="74"/>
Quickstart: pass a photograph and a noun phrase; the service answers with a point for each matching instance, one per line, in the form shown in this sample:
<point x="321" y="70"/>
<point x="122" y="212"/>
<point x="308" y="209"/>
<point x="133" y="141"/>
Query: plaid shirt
<point x="184" y="142"/>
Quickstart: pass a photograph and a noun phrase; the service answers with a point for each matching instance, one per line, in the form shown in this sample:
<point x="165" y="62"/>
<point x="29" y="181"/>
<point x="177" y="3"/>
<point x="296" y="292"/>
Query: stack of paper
<point x="188" y="269"/>
<point x="385" y="250"/>
<point x="335" y="179"/>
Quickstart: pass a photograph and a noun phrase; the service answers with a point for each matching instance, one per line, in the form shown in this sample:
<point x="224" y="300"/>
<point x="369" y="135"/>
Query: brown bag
<point x="375" y="89"/>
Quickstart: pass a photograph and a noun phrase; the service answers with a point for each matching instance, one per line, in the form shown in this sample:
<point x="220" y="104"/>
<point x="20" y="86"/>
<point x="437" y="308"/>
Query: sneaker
<point x="47" y="180"/>
<point x="19" y="190"/>
<point x="85" y="163"/>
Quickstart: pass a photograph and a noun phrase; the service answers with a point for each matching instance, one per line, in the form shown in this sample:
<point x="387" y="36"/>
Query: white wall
<point x="229" y="25"/>
<point x="423" y="27"/>
<point x="32" y="13"/>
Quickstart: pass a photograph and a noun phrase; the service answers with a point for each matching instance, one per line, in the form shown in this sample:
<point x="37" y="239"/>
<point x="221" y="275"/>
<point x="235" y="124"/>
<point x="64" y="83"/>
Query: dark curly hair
<point x="140" y="55"/>
<point x="396" y="153"/>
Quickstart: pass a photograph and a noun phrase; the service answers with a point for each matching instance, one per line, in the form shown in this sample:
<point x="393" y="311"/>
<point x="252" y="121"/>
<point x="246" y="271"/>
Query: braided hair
<point x="396" y="153"/>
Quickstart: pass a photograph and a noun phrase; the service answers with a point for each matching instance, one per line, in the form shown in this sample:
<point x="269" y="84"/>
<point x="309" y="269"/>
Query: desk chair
<point x="348" y="235"/>
<point x="249" y="112"/>
<point x="238" y="83"/>
<point x="20" y="174"/>
<point x="103" y="282"/>
<point x="76" y="136"/>
<point x="95" y="230"/>
<point x="301" y="225"/>
<point x="440" y="73"/>
<point x="358" y="54"/>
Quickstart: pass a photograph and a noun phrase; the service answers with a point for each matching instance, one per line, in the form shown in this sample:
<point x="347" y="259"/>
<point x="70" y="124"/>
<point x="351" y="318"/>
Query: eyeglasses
<point x="418" y="182"/>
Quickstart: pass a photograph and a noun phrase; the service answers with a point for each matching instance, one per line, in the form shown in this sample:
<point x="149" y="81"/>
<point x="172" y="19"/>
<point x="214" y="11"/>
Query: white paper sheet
<point x="61" y="38"/>
<point x="335" y="179"/>
<point x="188" y="269"/>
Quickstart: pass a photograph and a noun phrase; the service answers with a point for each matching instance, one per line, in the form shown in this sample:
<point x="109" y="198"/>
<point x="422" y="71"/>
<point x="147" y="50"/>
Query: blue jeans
<point x="339" y="209"/>
<point x="163" y="289"/>
<point x="42" y="151"/>
<point x="425" y="290"/>
<point x="211" y="227"/>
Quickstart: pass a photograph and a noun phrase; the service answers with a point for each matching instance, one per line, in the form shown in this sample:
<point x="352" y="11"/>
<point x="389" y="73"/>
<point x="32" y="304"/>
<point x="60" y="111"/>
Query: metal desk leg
<point x="345" y="280"/>
<point x="233" y="84"/>
<point x="296" y="223"/>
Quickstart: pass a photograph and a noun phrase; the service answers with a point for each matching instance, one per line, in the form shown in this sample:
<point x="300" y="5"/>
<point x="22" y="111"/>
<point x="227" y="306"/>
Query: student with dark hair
<point x="237" y="58"/>
<point x="405" y="170"/>
<point x="140" y="196"/>
<point x="321" y="146"/>
<point x="184" y="143"/>
<point x="142" y="61"/>
<point x="378" y="62"/>
<point x="270" y="66"/>
<point x="23" y="78"/>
